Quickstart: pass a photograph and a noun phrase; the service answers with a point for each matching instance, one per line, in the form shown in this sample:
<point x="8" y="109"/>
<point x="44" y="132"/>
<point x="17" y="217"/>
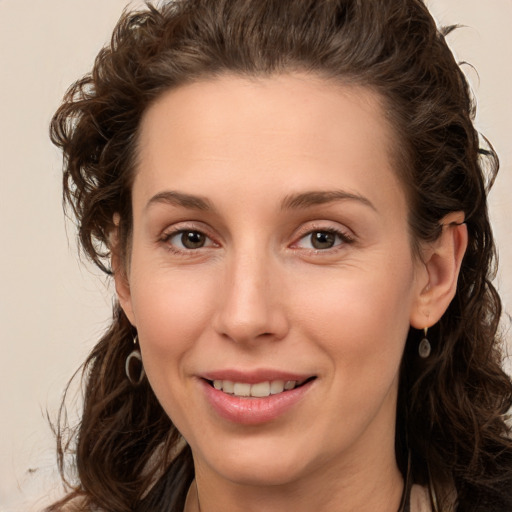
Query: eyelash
<point x="342" y="235"/>
<point x="338" y="233"/>
<point x="167" y="236"/>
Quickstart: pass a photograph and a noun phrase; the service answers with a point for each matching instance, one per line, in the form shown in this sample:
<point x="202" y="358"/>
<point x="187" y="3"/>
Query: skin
<point x="257" y="294"/>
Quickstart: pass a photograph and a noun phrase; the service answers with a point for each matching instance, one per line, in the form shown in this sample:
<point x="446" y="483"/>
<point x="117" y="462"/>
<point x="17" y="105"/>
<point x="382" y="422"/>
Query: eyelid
<point x="346" y="235"/>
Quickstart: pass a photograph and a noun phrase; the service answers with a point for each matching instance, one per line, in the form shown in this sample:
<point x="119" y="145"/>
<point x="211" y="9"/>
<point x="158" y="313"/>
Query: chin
<point x="266" y="473"/>
<point x="274" y="462"/>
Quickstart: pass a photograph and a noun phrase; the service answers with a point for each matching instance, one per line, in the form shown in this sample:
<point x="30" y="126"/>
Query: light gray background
<point x="52" y="309"/>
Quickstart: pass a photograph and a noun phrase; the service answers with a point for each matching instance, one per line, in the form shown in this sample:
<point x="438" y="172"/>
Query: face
<point x="271" y="257"/>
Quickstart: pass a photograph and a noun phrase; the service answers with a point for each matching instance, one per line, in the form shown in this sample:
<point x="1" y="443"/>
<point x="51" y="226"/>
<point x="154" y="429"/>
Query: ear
<point x="439" y="271"/>
<point x="120" y="270"/>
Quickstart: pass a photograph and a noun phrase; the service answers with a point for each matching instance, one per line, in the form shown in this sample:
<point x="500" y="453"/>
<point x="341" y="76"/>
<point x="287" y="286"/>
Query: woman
<point x="290" y="196"/>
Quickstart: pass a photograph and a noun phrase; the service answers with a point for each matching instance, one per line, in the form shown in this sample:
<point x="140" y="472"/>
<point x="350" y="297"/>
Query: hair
<point x="451" y="414"/>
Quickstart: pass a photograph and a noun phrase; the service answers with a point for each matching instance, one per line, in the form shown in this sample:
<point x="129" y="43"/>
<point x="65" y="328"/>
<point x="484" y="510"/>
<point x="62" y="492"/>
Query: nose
<point x="250" y="306"/>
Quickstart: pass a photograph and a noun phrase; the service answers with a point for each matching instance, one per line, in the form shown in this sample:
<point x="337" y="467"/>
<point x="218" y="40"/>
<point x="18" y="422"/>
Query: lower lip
<point x="253" y="411"/>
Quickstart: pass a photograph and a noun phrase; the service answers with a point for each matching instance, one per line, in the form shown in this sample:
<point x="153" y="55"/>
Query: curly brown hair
<point x="451" y="415"/>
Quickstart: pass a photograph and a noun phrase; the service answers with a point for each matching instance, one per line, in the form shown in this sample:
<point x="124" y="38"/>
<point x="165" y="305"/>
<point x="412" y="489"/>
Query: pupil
<point x="322" y="240"/>
<point x="192" y="239"/>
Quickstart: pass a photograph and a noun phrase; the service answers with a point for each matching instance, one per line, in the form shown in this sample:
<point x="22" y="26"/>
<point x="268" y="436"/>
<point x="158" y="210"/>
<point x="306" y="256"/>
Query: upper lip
<point x="254" y="376"/>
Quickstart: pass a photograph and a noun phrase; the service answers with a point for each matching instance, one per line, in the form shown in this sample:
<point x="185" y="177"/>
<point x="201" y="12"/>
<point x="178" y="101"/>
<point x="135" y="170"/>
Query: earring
<point x="134" y="354"/>
<point x="424" y="347"/>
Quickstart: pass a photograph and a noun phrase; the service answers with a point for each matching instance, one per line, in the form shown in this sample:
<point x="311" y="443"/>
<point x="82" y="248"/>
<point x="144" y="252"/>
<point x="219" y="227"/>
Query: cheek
<point x="171" y="311"/>
<point x="360" y="319"/>
<point x="361" y="326"/>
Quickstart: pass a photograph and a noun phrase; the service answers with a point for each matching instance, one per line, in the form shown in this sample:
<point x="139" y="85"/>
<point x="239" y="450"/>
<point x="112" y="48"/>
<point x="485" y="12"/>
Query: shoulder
<point x="420" y="501"/>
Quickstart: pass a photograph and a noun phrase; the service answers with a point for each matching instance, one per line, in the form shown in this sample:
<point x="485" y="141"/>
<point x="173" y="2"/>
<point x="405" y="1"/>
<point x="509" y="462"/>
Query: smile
<point x="257" y="390"/>
<point x="258" y="401"/>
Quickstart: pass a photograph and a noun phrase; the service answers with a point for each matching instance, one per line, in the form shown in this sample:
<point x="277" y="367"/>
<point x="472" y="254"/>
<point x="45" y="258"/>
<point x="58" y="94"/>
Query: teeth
<point x="228" y="386"/>
<point x="242" y="389"/>
<point x="289" y="384"/>
<point x="276" y="386"/>
<point x="259" y="390"/>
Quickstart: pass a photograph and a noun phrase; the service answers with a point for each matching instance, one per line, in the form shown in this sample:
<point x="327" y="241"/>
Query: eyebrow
<point x="305" y="200"/>
<point x="175" y="198"/>
<point x="298" y="201"/>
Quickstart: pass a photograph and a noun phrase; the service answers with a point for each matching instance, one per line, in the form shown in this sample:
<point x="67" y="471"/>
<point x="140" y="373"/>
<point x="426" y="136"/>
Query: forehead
<point x="294" y="129"/>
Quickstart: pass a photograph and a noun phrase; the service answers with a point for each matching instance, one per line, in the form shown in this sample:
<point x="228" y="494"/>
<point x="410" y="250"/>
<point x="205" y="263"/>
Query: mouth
<point x="255" y="397"/>
<point x="259" y="389"/>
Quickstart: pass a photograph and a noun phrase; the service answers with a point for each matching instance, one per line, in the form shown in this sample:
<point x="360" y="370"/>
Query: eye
<point x="323" y="239"/>
<point x="188" y="239"/>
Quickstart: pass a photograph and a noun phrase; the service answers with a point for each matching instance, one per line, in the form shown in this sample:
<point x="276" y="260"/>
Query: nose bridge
<point x="250" y="307"/>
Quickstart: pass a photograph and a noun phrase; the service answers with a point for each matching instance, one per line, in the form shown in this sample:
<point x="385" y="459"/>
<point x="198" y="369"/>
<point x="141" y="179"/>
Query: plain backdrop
<point x="52" y="307"/>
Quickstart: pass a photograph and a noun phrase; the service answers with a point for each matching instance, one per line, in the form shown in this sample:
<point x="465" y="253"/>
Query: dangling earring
<point x="424" y="347"/>
<point x="134" y="354"/>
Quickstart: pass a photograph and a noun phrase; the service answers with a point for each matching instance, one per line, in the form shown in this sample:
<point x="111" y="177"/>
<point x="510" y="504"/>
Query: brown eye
<point x="323" y="239"/>
<point x="192" y="239"/>
<point x="187" y="239"/>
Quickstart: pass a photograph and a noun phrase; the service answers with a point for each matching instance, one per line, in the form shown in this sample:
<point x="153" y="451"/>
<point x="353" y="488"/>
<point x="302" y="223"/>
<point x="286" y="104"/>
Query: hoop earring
<point x="424" y="347"/>
<point x="134" y="354"/>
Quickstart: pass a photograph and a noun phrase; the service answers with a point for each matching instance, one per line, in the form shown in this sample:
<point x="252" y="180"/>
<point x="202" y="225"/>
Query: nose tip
<point x="244" y="321"/>
<point x="250" y="308"/>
